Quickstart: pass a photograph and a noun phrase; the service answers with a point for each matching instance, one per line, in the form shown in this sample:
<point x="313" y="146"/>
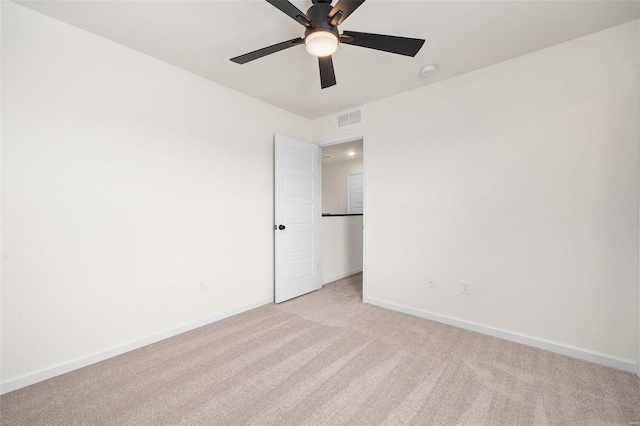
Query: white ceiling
<point x="339" y="152"/>
<point x="461" y="36"/>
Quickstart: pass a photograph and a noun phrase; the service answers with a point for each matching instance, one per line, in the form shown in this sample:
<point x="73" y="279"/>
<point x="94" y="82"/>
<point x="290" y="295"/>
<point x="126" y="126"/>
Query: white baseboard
<point x="340" y="276"/>
<point x="57" y="370"/>
<point x="572" y="351"/>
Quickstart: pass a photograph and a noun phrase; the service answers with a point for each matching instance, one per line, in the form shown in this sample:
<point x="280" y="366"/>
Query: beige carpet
<point x="326" y="358"/>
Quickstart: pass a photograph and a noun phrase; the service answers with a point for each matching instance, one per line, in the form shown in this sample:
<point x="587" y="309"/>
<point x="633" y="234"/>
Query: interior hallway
<point x="327" y="358"/>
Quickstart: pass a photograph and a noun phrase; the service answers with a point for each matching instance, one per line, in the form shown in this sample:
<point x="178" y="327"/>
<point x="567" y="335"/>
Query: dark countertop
<point x="341" y="214"/>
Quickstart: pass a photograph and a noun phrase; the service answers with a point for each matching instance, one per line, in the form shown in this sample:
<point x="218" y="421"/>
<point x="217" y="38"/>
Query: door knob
<point x="281" y="227"/>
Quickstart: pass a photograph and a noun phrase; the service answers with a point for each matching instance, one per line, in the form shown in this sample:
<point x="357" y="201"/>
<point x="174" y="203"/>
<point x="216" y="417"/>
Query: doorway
<point x="344" y="209"/>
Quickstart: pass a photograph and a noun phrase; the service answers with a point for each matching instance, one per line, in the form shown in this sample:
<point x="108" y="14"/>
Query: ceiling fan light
<point x="321" y="43"/>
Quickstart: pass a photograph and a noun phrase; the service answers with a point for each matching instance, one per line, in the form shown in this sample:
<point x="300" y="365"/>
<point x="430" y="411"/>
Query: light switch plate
<point x="431" y="282"/>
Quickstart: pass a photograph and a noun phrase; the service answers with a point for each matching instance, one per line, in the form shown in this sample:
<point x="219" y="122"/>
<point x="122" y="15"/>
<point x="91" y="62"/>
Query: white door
<point x="298" y="216"/>
<point x="356" y="193"/>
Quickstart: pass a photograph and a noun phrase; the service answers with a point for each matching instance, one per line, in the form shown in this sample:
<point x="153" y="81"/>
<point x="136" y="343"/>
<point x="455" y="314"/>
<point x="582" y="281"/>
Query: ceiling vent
<point x="349" y="118"/>
<point x="326" y="156"/>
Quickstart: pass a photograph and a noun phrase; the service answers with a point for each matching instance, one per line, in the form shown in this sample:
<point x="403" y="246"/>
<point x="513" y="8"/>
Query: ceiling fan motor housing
<point x="319" y="15"/>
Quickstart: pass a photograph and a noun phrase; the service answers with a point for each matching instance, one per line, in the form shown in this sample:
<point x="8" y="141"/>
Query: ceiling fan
<point x="321" y="37"/>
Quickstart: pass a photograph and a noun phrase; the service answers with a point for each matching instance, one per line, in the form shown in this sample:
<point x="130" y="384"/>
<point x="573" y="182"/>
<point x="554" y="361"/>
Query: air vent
<point x="327" y="156"/>
<point x="355" y="117"/>
<point x="350" y="118"/>
<point x="343" y="120"/>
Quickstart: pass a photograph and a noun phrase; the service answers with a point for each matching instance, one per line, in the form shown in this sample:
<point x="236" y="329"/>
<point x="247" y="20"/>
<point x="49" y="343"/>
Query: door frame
<point x="348" y="138"/>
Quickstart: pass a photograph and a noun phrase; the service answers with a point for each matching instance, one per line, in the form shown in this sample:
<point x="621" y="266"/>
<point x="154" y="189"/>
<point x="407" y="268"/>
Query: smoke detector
<point x="427" y="70"/>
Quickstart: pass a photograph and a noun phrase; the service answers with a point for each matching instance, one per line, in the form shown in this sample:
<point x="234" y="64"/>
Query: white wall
<point x="522" y="178"/>
<point x="1" y="260"/>
<point x="341" y="247"/>
<point x="638" y="330"/>
<point x="125" y="182"/>
<point x="334" y="185"/>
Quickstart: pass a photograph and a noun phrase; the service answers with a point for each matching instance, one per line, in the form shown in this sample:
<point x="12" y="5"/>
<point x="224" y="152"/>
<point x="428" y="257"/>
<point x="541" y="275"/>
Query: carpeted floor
<point x="327" y="358"/>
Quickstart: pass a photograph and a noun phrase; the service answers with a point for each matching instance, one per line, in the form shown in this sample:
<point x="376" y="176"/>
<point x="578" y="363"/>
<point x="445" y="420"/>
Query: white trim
<point x="572" y="351"/>
<point x="637" y="206"/>
<point x="48" y="373"/>
<point x="348" y="138"/>
<point x="340" y="276"/>
<point x="342" y="139"/>
<point x="365" y="221"/>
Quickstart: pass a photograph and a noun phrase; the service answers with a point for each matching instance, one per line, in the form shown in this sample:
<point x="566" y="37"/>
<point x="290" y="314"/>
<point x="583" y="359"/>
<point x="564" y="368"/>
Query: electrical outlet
<point x="431" y="282"/>
<point x="203" y="286"/>
<point x="465" y="287"/>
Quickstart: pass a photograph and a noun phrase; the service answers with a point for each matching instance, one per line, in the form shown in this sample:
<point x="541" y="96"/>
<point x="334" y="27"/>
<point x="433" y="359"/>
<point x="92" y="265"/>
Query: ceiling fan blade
<point x="392" y="44"/>
<point x="342" y="10"/>
<point x="292" y="11"/>
<point x="327" y="74"/>
<point x="256" y="54"/>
